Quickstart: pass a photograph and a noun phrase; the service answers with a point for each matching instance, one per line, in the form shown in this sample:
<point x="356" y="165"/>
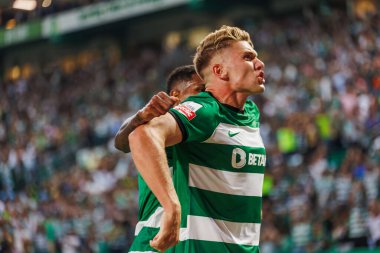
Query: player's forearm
<point x="148" y="152"/>
<point x="130" y="124"/>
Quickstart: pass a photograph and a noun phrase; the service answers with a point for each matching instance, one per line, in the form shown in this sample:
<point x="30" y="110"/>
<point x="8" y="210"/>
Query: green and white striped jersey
<point x="218" y="176"/>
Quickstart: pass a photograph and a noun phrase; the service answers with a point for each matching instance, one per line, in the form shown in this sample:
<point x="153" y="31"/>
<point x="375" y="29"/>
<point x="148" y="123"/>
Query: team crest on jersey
<point x="188" y="109"/>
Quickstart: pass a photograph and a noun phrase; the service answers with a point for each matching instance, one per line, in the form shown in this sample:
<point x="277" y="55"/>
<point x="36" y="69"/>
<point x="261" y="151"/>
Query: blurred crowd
<point x="43" y="8"/>
<point x="321" y="125"/>
<point x="64" y="188"/>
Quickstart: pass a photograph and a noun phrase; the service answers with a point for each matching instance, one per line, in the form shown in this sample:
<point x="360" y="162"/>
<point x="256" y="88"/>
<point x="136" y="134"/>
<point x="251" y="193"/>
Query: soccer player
<point x="214" y="205"/>
<point x="181" y="83"/>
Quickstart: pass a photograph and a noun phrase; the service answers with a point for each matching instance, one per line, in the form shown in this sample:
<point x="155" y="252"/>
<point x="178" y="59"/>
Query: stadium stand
<point x="64" y="188"/>
<point x="42" y="9"/>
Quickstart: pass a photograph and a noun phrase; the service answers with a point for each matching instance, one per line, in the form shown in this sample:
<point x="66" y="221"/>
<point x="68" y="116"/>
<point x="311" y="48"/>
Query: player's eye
<point x="249" y="57"/>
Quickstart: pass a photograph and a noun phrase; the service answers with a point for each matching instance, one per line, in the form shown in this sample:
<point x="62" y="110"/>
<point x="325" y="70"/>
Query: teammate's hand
<point x="158" y="105"/>
<point x="168" y="236"/>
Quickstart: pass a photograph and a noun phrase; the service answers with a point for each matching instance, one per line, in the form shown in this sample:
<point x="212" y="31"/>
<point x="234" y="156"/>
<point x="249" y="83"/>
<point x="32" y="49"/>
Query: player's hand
<point x="158" y="105"/>
<point x="168" y="236"/>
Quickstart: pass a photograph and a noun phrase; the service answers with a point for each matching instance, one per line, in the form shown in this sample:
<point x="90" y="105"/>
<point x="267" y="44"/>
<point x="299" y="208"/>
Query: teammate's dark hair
<point x="183" y="73"/>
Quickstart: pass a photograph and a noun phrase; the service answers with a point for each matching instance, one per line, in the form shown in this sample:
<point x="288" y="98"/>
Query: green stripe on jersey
<point x="255" y="158"/>
<point x="225" y="207"/>
<point x="198" y="246"/>
<point x="180" y="247"/>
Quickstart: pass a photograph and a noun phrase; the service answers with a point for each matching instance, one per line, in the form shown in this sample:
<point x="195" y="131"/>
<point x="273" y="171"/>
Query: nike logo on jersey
<point x="230" y="134"/>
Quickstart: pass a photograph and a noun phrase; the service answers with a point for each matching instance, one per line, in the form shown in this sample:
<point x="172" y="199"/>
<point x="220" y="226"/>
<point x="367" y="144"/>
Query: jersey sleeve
<point x="196" y="120"/>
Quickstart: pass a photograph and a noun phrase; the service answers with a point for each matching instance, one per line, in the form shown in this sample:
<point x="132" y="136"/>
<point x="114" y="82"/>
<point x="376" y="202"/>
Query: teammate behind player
<point x="182" y="82"/>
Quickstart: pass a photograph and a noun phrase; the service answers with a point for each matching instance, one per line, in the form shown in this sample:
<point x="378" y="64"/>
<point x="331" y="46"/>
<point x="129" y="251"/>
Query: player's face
<point x="192" y="87"/>
<point x="245" y="70"/>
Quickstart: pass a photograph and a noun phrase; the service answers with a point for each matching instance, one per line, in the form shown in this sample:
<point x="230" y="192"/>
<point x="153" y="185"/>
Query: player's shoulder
<point x="202" y="100"/>
<point x="200" y="105"/>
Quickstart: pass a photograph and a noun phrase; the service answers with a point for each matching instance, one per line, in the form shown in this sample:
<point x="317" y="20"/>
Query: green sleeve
<point x="196" y="118"/>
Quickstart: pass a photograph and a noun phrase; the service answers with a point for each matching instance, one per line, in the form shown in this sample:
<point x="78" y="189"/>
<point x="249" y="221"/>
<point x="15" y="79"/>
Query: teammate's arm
<point x="147" y="143"/>
<point x="158" y="105"/>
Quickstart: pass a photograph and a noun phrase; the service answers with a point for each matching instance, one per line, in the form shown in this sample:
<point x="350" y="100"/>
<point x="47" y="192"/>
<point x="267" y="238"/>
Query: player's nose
<point x="259" y="65"/>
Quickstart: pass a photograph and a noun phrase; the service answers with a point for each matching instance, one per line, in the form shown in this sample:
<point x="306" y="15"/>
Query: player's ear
<point x="220" y="72"/>
<point x="174" y="93"/>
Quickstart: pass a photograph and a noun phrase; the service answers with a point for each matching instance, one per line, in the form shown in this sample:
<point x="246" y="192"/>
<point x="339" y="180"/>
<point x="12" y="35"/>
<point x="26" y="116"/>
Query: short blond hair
<point x="216" y="41"/>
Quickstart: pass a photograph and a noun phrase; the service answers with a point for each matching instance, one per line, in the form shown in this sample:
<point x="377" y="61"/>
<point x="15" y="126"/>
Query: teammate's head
<point x="183" y="82"/>
<point x="216" y="41"/>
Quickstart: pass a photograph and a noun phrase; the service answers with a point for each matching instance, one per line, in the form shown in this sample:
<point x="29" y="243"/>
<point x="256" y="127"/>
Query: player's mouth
<point x="261" y="77"/>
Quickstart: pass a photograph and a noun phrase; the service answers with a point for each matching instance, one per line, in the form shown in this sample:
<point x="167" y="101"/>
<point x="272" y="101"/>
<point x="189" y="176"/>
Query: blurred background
<point x="72" y="71"/>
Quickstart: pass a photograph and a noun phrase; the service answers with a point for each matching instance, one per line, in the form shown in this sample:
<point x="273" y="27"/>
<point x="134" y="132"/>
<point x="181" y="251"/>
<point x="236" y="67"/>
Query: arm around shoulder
<point x="130" y="124"/>
<point x="158" y="105"/>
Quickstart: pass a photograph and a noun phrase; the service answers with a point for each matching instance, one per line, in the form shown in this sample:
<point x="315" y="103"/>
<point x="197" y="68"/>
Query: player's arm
<point x="158" y="105"/>
<point x="147" y="143"/>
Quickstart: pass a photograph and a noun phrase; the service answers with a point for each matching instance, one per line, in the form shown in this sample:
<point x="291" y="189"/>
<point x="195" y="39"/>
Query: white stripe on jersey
<point x="234" y="183"/>
<point x="204" y="228"/>
<point x="236" y="135"/>
<point x="154" y="221"/>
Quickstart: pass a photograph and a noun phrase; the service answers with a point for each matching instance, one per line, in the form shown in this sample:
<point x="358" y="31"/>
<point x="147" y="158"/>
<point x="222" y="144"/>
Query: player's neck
<point x="228" y="97"/>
